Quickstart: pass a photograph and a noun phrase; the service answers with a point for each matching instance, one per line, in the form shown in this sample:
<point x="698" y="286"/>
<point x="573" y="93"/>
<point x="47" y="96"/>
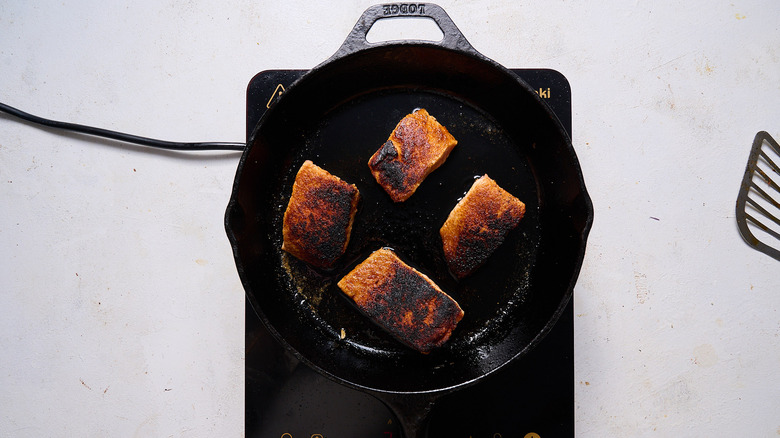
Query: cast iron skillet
<point x="337" y="115"/>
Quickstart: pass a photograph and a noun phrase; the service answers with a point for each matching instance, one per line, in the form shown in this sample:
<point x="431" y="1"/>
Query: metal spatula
<point x="758" y="208"/>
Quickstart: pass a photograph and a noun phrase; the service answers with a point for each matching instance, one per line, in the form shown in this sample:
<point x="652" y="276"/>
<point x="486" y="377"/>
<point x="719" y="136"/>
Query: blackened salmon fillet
<point x="319" y="216"/>
<point x="402" y="300"/>
<point x="478" y="225"/>
<point x="417" y="146"/>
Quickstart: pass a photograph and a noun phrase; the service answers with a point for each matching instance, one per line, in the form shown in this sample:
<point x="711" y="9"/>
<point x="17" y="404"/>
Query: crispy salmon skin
<point x="318" y="220"/>
<point x="417" y="146"/>
<point x="405" y="302"/>
<point x="478" y="225"/>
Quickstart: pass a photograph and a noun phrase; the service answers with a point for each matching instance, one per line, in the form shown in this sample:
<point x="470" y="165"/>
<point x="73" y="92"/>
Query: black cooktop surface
<point x="530" y="398"/>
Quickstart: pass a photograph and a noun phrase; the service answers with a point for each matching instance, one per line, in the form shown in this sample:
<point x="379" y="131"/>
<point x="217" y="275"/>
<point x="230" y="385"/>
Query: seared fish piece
<point x="416" y="147"/>
<point x="402" y="300"/>
<point x="319" y="216"/>
<point x="478" y="225"/>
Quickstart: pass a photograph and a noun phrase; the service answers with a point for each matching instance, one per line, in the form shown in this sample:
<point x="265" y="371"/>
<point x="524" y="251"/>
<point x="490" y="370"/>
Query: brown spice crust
<point x="403" y="301"/>
<point x="319" y="216"/>
<point x="417" y="146"/>
<point x="478" y="225"/>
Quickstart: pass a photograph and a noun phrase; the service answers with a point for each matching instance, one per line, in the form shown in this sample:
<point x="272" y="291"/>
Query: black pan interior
<point x="337" y="116"/>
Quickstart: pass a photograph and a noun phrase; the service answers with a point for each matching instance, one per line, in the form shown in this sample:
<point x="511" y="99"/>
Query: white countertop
<point x="121" y="310"/>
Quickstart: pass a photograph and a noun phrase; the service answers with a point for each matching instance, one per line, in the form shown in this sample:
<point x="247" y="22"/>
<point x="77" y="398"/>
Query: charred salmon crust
<point x="403" y="301"/>
<point x="417" y="146"/>
<point x="478" y="224"/>
<point x="318" y="221"/>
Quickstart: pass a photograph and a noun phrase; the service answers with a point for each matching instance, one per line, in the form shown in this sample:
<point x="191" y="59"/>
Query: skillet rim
<point x="234" y="207"/>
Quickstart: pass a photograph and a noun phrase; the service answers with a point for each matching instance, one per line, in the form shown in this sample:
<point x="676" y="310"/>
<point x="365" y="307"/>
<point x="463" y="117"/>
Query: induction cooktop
<point x="530" y="398"/>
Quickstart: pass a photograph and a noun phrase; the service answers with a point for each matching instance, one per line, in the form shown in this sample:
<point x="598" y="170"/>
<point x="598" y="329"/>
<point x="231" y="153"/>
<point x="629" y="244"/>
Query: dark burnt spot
<point x="474" y="247"/>
<point x="390" y="170"/>
<point x="387" y="151"/>
<point x="393" y="175"/>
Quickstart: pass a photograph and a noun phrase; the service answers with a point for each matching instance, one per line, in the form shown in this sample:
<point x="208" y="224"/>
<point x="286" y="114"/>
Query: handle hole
<point x="407" y="28"/>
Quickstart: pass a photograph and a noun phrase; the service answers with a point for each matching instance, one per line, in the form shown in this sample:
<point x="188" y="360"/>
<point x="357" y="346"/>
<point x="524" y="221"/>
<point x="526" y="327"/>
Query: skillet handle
<point x="356" y="40"/>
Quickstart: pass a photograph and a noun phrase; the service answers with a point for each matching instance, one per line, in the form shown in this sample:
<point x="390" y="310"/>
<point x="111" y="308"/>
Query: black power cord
<point x="129" y="138"/>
